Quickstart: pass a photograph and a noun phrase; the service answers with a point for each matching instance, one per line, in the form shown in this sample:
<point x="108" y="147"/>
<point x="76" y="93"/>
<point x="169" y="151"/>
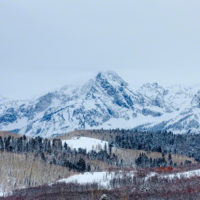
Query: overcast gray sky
<point x="45" y="44"/>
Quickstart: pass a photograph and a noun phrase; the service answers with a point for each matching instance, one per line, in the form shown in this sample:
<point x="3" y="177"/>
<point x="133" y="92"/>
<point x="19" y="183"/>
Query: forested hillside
<point x="37" y="161"/>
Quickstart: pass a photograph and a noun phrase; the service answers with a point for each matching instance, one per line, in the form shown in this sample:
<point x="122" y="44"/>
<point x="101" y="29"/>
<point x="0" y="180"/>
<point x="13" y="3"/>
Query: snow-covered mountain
<point x="106" y="101"/>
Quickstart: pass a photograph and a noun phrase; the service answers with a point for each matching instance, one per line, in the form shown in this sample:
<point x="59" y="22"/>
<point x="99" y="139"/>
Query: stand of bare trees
<point x="22" y="170"/>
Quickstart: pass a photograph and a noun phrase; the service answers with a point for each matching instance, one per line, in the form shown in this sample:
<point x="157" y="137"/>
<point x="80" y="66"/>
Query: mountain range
<point x="106" y="101"/>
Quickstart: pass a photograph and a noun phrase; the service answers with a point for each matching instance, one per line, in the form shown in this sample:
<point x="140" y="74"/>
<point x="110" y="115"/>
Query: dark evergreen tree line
<point x="163" y="142"/>
<point x="144" y="161"/>
<point x="54" y="152"/>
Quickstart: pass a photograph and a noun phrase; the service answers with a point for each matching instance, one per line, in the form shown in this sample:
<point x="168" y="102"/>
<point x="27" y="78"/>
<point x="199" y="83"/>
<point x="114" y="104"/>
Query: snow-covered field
<point x="85" y="143"/>
<point x="187" y="174"/>
<point x="101" y="178"/>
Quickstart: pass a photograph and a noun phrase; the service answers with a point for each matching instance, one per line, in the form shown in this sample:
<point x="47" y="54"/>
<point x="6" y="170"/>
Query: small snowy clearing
<point x="101" y="178"/>
<point x="85" y="143"/>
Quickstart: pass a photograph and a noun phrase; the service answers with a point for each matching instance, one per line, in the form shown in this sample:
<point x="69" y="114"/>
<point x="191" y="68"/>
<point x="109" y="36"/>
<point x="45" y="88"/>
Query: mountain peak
<point x="109" y="81"/>
<point x="105" y="101"/>
<point x="112" y="77"/>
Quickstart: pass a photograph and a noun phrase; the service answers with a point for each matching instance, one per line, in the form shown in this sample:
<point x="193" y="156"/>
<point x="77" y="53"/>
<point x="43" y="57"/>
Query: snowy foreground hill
<point x="106" y="101"/>
<point x="103" y="178"/>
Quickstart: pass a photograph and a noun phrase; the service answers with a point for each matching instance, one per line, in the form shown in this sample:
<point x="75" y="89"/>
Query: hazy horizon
<point x="48" y="44"/>
<point x="134" y="85"/>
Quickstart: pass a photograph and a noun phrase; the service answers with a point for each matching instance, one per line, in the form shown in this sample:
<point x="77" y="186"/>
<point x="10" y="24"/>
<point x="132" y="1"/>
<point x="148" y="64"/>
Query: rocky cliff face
<point x="106" y="101"/>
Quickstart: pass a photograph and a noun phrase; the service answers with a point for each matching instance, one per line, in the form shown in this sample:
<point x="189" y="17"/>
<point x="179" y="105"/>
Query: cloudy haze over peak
<point x="47" y="44"/>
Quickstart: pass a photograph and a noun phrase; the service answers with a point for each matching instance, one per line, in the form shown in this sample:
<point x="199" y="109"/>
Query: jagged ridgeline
<point x="106" y="101"/>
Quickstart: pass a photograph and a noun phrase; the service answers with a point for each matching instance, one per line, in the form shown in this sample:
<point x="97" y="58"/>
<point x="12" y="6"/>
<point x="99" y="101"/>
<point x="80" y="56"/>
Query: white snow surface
<point x="85" y="143"/>
<point x="106" y="101"/>
<point x="101" y="178"/>
<point x="3" y="192"/>
<point x="187" y="174"/>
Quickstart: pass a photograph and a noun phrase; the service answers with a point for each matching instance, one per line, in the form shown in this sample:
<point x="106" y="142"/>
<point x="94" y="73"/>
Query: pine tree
<point x="43" y="156"/>
<point x="169" y="156"/>
<point x="110" y="149"/>
<point x="1" y="144"/>
<point x="65" y="146"/>
<point x="81" y="165"/>
<point x="105" y="147"/>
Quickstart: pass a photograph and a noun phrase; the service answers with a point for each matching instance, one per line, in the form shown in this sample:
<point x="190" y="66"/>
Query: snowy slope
<point x="179" y="175"/>
<point x="85" y="143"/>
<point x="187" y="174"/>
<point x="106" y="101"/>
<point x="101" y="178"/>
